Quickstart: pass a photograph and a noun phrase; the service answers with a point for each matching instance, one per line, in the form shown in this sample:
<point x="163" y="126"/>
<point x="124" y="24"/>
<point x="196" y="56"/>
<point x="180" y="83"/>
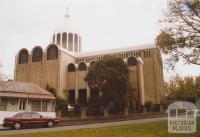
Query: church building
<point x="63" y="66"/>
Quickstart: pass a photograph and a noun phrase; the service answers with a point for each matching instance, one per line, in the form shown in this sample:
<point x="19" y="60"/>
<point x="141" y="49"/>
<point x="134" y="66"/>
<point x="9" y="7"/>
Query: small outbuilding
<point x="24" y="97"/>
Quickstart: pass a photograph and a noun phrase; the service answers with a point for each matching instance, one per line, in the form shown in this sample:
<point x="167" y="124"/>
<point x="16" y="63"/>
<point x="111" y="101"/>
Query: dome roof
<point x="67" y="27"/>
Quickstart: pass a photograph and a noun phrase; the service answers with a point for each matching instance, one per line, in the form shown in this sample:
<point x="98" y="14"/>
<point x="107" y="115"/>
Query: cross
<point x="67" y="15"/>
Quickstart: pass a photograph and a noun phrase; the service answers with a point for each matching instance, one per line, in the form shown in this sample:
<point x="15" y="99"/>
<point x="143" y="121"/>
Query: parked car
<point x="29" y="119"/>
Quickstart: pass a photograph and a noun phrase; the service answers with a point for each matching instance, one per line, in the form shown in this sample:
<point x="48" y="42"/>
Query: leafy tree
<point x="94" y="105"/>
<point x="61" y="104"/>
<point x="110" y="76"/>
<point x="197" y="86"/>
<point x="2" y="75"/>
<point x="180" y="39"/>
<point x="51" y="89"/>
<point x="181" y="89"/>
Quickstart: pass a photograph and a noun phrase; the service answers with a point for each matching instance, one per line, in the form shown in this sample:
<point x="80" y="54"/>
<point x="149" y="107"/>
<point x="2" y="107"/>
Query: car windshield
<point x="17" y="115"/>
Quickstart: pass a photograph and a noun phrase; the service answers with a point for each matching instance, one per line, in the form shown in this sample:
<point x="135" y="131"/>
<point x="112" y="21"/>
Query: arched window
<point x="70" y="42"/>
<point x="79" y="44"/>
<point x="76" y="42"/>
<point x="71" y="68"/>
<point x="82" y="66"/>
<point x="37" y="54"/>
<point x="54" y="38"/>
<point x="52" y="53"/>
<point x="23" y="56"/>
<point x="132" y="61"/>
<point x="64" y="40"/>
<point x="58" y="38"/>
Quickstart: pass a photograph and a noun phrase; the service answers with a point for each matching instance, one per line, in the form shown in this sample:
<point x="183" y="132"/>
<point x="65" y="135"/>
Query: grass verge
<point x="152" y="129"/>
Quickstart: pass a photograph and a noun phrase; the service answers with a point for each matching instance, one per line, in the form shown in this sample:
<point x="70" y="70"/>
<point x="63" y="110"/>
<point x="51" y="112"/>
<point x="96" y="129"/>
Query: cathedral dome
<point x="66" y="27"/>
<point x="67" y="36"/>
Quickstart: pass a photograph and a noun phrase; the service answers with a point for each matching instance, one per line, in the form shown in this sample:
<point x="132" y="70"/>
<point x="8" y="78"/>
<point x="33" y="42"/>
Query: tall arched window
<point x="52" y="52"/>
<point x="54" y="38"/>
<point x="23" y="56"/>
<point x="71" y="67"/>
<point x="58" y="38"/>
<point x="79" y="44"/>
<point x="82" y="66"/>
<point x="37" y="54"/>
<point x="76" y="42"/>
<point x="64" y="40"/>
<point x="132" y="61"/>
<point x="70" y="41"/>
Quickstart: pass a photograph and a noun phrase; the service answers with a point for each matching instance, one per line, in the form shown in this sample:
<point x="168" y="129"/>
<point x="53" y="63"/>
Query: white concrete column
<point x="76" y="95"/>
<point x="19" y="105"/>
<point x="49" y="106"/>
<point x="79" y="41"/>
<point x="78" y="44"/>
<point x="73" y="43"/>
<point x="141" y="83"/>
<point x="61" y="40"/>
<point x="41" y="105"/>
<point x="88" y="93"/>
<point x="55" y="40"/>
<point x="27" y="106"/>
<point x="67" y="41"/>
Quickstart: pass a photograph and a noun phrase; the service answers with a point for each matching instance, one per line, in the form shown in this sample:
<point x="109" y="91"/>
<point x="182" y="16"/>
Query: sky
<point x="103" y="24"/>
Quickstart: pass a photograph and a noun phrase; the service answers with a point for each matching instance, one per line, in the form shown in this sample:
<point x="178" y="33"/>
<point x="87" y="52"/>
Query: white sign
<point x="182" y="117"/>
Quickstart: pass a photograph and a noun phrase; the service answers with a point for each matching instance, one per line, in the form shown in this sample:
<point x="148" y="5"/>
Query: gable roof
<point x="23" y="89"/>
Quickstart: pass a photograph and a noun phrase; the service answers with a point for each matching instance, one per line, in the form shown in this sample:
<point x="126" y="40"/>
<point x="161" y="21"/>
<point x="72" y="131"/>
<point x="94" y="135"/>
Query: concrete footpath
<point x="82" y="125"/>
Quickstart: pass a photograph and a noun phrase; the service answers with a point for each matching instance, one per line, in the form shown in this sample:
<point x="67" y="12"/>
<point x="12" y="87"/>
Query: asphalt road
<point x="4" y="131"/>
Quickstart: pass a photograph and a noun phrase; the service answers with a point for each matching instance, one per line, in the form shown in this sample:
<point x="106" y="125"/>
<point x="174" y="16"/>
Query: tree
<point x="2" y="76"/>
<point x="180" y="39"/>
<point x="94" y="105"/>
<point x="179" y="88"/>
<point x="110" y="76"/>
<point x="61" y="104"/>
<point x="197" y="86"/>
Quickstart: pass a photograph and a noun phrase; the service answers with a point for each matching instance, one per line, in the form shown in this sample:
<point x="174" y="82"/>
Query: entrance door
<point x="22" y="105"/>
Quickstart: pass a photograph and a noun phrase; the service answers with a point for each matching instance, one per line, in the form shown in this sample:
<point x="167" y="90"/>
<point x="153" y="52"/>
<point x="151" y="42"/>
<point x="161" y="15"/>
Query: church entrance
<point x="82" y="96"/>
<point x="71" y="97"/>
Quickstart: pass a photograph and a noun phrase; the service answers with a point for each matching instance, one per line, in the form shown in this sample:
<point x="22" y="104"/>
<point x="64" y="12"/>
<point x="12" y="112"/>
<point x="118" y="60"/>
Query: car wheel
<point x="50" y="123"/>
<point x="17" y="125"/>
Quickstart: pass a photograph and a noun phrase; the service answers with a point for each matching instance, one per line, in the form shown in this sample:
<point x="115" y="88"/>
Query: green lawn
<point x="153" y="129"/>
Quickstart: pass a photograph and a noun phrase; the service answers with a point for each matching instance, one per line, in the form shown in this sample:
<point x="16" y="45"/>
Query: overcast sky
<point x="103" y="24"/>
